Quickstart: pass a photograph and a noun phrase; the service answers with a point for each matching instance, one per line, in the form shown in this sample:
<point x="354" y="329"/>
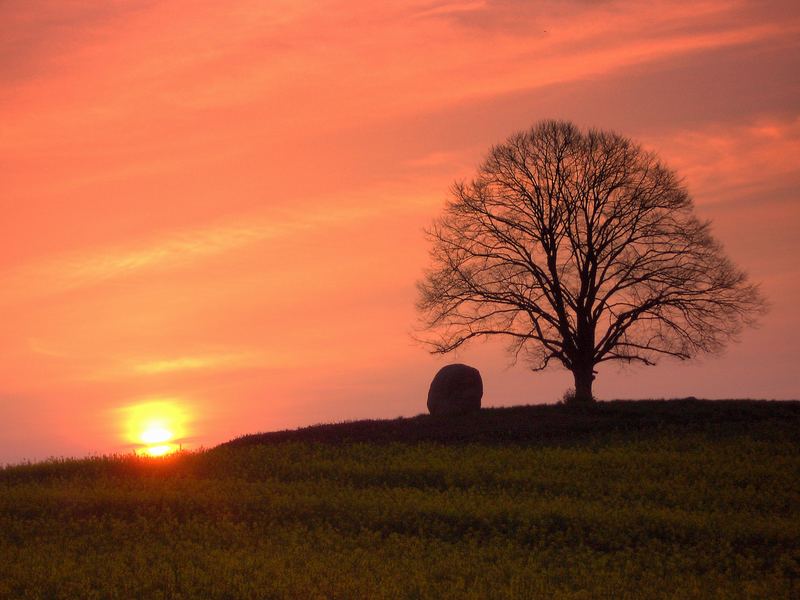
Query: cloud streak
<point x="723" y="163"/>
<point x="188" y="247"/>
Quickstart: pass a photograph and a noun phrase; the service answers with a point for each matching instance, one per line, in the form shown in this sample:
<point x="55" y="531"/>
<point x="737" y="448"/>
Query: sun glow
<point x="160" y="450"/>
<point x="155" y="428"/>
<point x="156" y="433"/>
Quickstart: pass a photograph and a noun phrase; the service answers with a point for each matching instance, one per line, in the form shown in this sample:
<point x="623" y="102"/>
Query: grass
<point x="621" y="500"/>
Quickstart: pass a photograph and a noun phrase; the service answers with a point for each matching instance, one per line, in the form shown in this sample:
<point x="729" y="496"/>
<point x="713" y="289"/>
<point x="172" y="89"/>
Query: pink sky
<point x="220" y="204"/>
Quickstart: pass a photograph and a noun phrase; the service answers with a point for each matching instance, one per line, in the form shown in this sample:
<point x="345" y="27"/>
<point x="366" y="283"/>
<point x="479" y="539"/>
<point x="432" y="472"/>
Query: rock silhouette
<point x="455" y="390"/>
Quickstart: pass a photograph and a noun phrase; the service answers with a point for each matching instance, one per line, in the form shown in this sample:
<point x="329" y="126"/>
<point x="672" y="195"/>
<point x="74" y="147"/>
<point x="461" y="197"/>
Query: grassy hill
<point x="549" y="423"/>
<point x="678" y="499"/>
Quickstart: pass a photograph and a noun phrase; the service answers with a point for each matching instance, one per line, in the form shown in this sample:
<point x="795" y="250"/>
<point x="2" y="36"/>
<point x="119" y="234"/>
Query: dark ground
<point x="550" y="423"/>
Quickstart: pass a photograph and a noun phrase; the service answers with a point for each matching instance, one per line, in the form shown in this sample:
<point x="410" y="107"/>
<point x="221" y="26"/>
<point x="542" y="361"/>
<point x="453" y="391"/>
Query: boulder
<point x="455" y="390"/>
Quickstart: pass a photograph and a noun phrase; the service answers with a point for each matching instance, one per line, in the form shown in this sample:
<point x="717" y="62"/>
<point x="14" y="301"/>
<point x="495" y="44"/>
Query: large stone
<point x="455" y="390"/>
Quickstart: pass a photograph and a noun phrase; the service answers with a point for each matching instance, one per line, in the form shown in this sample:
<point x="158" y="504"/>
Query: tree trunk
<point x="584" y="376"/>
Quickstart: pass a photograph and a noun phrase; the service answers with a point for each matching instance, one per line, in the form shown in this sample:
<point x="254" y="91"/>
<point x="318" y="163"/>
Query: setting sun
<point x="160" y="450"/>
<point x="156" y="427"/>
<point x="156" y="433"/>
<point x="155" y="437"/>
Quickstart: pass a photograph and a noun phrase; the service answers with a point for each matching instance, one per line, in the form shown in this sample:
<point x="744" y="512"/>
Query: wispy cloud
<point x="184" y="248"/>
<point x="723" y="162"/>
<point x="104" y="364"/>
<point x="450" y="8"/>
<point x="202" y="362"/>
<point x="309" y="69"/>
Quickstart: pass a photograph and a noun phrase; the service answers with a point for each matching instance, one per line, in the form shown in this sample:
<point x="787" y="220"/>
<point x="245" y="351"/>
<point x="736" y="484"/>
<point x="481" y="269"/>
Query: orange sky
<point x="219" y="204"/>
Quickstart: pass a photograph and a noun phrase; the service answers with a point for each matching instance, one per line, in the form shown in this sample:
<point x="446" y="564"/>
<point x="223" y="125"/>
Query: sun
<point x="155" y="427"/>
<point x="156" y="438"/>
<point x="160" y="450"/>
<point x="156" y="432"/>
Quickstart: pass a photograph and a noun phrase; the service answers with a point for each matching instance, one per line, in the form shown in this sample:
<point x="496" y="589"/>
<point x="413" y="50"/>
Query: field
<point x="682" y="499"/>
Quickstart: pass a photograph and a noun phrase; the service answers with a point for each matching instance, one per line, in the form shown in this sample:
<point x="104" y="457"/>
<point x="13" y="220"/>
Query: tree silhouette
<point x="580" y="247"/>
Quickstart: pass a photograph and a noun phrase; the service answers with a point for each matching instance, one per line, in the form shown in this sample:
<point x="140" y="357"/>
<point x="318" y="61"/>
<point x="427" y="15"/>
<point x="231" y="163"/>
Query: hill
<point x="683" y="499"/>
<point x="548" y="423"/>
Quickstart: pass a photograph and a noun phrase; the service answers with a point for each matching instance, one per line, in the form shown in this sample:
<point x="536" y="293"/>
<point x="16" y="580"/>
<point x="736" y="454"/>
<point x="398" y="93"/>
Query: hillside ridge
<point x="543" y="422"/>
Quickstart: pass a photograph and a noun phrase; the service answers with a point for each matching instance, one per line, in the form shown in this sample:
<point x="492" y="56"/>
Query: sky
<point x="216" y="209"/>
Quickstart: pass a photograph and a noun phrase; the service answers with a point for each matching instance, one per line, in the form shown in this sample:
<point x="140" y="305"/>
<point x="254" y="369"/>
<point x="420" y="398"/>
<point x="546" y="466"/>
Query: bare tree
<point x="580" y="248"/>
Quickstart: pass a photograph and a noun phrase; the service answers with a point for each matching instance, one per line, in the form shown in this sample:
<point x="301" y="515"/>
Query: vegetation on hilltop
<point x="549" y="423"/>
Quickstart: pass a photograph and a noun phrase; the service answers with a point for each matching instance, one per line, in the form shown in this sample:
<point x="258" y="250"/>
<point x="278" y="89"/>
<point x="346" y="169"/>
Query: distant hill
<point x="547" y="423"/>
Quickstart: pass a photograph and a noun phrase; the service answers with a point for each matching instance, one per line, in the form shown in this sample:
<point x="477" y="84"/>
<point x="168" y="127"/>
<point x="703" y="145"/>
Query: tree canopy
<point x="580" y="248"/>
